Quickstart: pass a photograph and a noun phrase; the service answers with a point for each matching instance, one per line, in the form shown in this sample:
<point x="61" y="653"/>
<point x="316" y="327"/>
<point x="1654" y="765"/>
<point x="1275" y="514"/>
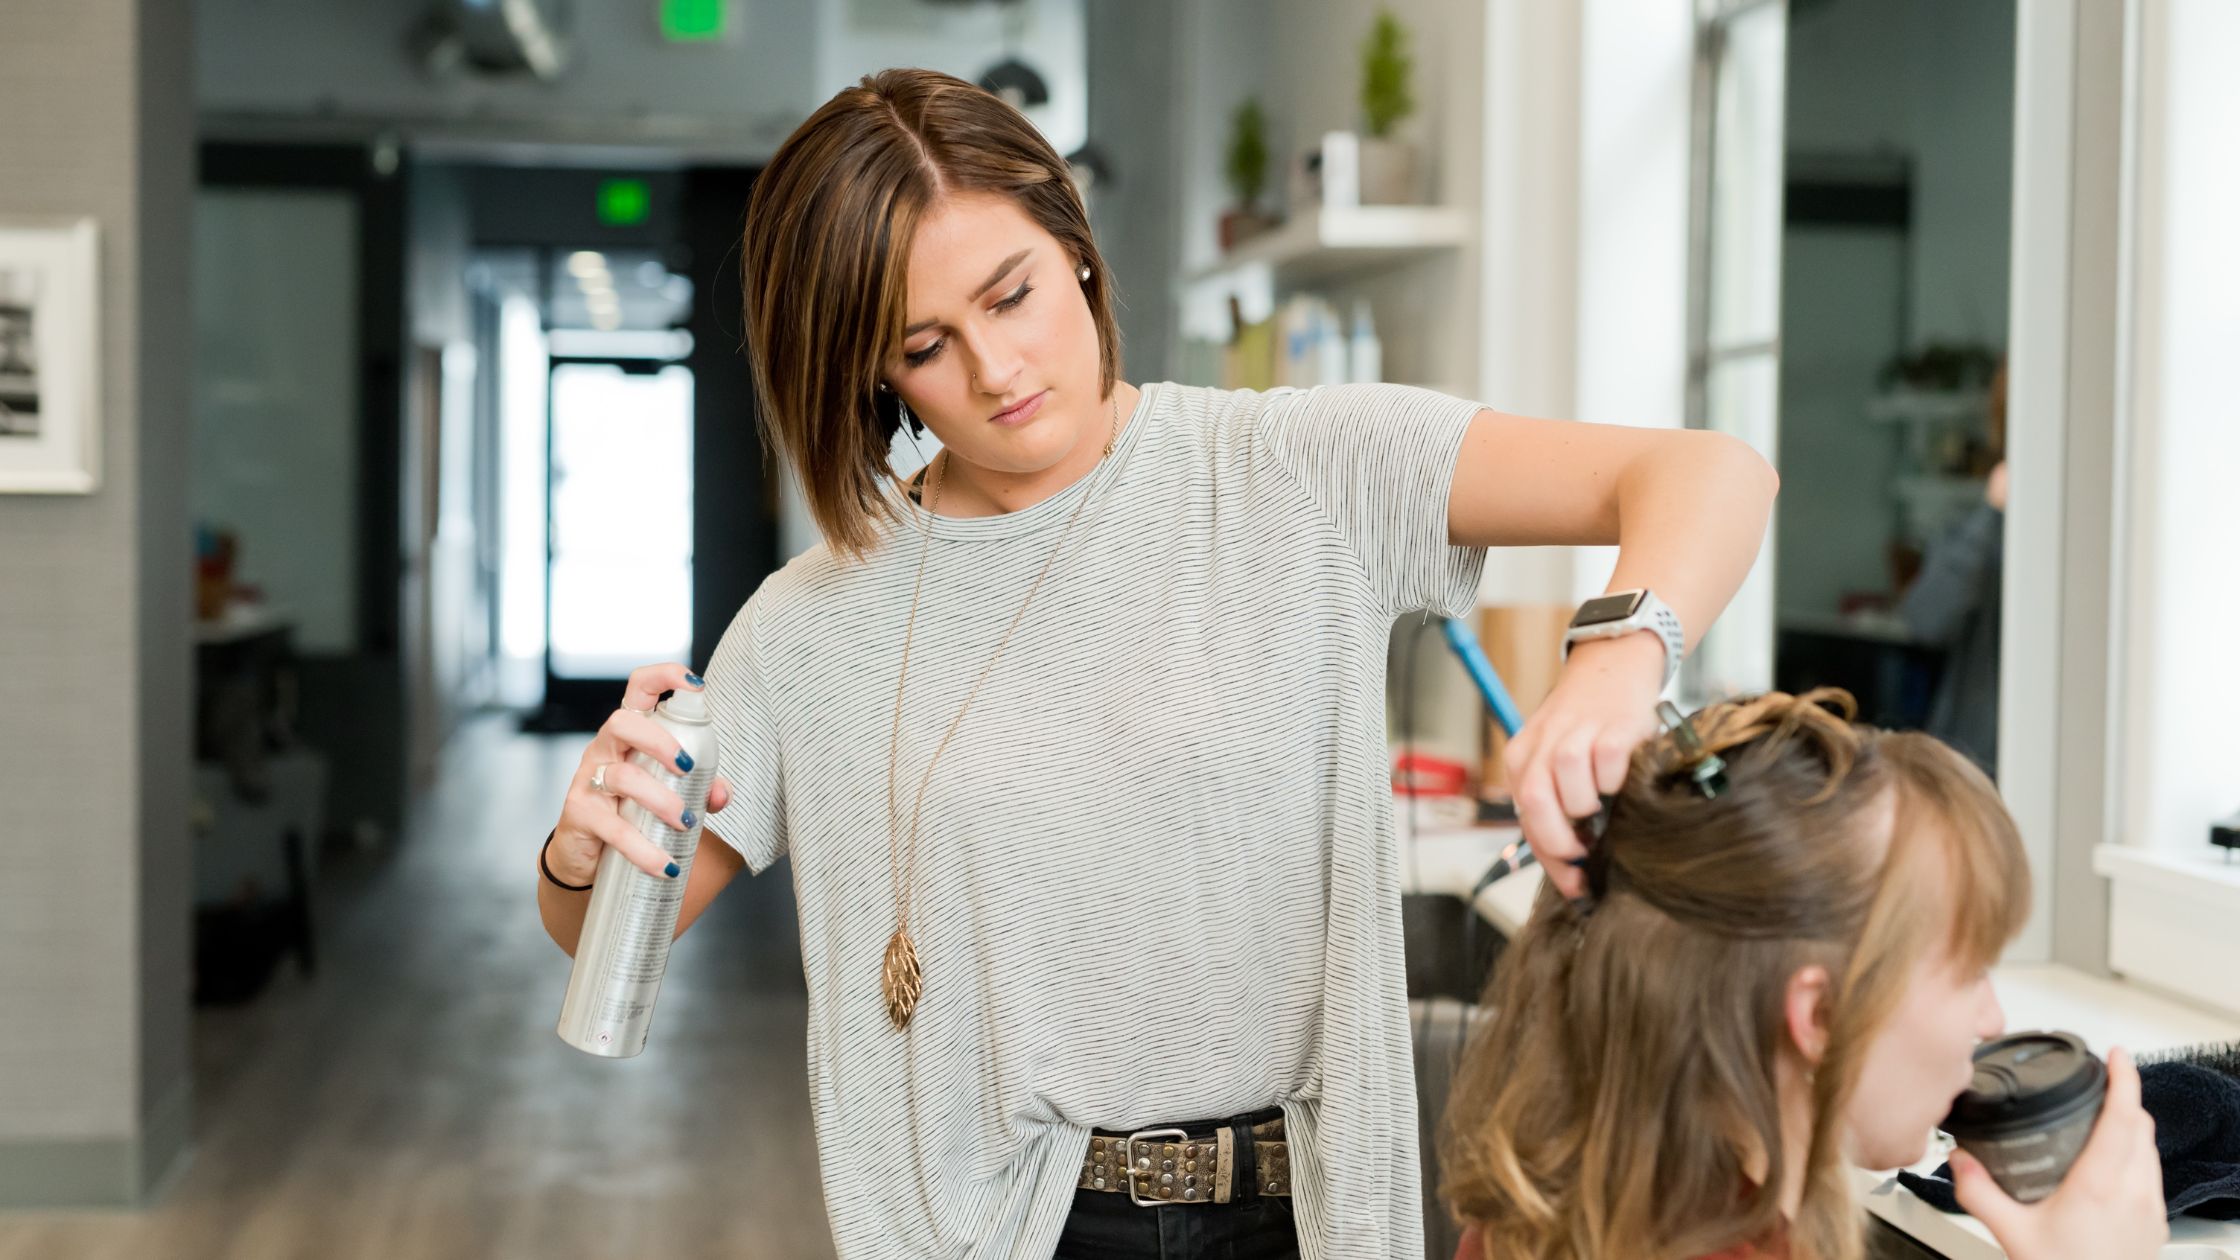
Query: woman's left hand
<point x="1576" y="746"/>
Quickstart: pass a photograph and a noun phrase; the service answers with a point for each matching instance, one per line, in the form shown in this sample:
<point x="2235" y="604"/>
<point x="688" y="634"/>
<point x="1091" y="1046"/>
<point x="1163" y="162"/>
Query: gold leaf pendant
<point x="900" y="979"/>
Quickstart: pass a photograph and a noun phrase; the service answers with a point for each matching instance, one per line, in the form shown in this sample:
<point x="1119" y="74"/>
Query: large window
<point x="2174" y="899"/>
<point x="621" y="502"/>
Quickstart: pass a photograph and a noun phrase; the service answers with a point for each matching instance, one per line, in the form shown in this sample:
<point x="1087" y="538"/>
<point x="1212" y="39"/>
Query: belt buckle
<point x="1128" y="1161"/>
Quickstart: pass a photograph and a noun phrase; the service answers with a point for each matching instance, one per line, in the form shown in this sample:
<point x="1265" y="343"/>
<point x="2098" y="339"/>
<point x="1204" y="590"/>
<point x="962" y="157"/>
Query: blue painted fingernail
<point x="670" y="870"/>
<point x="684" y="761"/>
<point x="688" y="820"/>
<point x="694" y="679"/>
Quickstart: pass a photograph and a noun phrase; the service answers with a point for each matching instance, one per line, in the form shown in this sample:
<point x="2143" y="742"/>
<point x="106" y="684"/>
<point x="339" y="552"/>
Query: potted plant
<point x="1247" y="171"/>
<point x="1388" y="165"/>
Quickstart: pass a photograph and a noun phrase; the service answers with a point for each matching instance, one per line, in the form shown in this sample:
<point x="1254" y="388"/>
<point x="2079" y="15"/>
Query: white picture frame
<point x="50" y="356"/>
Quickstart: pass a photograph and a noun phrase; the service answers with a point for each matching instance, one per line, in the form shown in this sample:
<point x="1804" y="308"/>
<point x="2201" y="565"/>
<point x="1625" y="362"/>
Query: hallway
<point x="411" y="1102"/>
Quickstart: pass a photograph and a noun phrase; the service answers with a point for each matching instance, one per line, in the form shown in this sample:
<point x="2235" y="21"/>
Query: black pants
<point x="1109" y="1227"/>
<point x="1105" y="1226"/>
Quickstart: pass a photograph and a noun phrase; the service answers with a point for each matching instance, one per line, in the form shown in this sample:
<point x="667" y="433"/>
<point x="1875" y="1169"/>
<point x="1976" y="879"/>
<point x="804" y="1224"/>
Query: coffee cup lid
<point x="2025" y="1077"/>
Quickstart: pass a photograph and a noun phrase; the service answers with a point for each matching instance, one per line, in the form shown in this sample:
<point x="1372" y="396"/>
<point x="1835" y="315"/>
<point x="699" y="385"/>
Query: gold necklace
<point x="899" y="975"/>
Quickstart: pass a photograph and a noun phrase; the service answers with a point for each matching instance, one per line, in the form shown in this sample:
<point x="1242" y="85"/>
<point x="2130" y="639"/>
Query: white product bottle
<point x="1365" y="351"/>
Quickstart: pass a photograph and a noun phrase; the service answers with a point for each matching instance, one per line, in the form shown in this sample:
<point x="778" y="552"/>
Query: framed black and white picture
<point x="50" y="363"/>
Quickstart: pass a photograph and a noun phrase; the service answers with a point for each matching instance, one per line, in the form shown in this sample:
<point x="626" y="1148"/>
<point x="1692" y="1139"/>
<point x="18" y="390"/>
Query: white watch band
<point x="1654" y="616"/>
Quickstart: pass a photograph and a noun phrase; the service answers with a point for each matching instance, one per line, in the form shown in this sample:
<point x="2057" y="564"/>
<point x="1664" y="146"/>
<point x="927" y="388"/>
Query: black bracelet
<point x="542" y="866"/>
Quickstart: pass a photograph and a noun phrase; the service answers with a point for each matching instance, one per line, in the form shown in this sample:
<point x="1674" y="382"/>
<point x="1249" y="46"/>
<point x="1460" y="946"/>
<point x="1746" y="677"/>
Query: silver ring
<point x="644" y="712"/>
<point x="599" y="778"/>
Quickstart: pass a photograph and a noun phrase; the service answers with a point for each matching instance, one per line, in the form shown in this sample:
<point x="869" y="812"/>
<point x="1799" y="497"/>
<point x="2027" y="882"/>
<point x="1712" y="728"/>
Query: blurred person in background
<point x="1954" y="605"/>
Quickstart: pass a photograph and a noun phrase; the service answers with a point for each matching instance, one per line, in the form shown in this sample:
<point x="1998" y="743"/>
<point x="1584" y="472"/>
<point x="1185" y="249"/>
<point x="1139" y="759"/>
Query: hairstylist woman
<point x="1078" y="746"/>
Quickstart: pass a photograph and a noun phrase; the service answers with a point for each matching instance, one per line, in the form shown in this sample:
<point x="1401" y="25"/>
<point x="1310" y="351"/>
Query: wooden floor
<point x="411" y="1102"/>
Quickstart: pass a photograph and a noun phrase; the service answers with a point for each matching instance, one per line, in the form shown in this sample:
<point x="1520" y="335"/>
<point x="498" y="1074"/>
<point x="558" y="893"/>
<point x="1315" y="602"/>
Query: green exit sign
<point x="692" y="21"/>
<point x="624" y="202"/>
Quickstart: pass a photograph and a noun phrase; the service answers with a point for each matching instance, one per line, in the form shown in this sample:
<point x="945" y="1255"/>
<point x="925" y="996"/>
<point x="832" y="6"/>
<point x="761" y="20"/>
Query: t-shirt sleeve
<point x="747" y="745"/>
<point x="1379" y="460"/>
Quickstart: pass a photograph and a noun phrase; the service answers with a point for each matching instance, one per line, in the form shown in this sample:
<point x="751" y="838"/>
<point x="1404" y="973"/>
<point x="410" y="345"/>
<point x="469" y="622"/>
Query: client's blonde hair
<point x="1612" y="1105"/>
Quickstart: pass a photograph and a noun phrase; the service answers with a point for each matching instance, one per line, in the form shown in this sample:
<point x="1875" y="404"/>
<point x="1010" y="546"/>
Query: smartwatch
<point x="1622" y="613"/>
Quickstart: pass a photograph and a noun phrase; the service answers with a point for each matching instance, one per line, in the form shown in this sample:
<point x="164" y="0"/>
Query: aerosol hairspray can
<point x="632" y="917"/>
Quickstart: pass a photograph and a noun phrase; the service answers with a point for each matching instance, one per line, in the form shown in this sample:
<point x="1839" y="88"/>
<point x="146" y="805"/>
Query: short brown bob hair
<point x="827" y="254"/>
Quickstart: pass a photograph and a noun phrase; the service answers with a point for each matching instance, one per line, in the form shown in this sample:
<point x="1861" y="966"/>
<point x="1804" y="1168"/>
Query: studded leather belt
<point x="1158" y="1167"/>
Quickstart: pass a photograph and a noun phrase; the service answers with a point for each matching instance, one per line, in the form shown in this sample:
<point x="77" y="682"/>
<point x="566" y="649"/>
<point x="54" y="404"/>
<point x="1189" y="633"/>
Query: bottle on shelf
<point x="1364" y="353"/>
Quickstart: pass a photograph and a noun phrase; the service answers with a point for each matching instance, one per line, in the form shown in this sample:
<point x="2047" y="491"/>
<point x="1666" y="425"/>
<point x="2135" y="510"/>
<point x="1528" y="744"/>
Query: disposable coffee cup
<point x="2028" y="1109"/>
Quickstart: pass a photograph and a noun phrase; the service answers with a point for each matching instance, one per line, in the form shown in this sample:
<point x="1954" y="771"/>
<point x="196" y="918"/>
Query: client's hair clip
<point x="1707" y="769"/>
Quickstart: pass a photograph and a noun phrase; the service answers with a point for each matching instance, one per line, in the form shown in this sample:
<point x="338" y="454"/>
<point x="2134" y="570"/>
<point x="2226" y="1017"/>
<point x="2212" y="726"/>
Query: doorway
<point x="618" y="556"/>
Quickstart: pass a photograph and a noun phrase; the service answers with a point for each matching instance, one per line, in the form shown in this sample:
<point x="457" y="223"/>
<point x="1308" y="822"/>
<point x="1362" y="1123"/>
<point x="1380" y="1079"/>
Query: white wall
<point x="1528" y="249"/>
<point x="1302" y="62"/>
<point x="1632" y="247"/>
<point x="1565" y="128"/>
<point x="2056" y="589"/>
<point x="1427" y="312"/>
<point x="2183" y="684"/>
<point x="861" y="36"/>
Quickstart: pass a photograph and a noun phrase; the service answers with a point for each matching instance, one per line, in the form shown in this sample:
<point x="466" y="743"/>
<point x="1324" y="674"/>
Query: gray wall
<point x="275" y="457"/>
<point x="1933" y="82"/>
<point x="258" y="58"/>
<point x="1134" y="120"/>
<point x="440" y="600"/>
<point x="270" y="67"/>
<point x="94" y="615"/>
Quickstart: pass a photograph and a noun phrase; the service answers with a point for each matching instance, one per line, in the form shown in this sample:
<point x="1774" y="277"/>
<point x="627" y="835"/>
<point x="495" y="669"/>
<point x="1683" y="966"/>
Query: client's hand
<point x="2108" y="1207"/>
<point x="1578" y="743"/>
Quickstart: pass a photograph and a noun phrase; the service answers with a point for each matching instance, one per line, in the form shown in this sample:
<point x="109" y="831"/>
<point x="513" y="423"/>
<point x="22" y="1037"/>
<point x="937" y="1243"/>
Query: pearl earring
<point x="1084" y="275"/>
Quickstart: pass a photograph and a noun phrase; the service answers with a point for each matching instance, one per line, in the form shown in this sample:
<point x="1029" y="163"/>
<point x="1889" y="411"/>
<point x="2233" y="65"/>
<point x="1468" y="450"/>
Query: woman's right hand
<point x="2108" y="1207"/>
<point x="590" y="820"/>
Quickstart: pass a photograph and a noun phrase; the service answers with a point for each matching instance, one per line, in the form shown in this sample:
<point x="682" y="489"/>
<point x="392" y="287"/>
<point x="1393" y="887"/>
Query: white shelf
<point x="1924" y="406"/>
<point x="1880" y="627"/>
<point x="241" y="621"/>
<point x="1332" y="241"/>
<point x="2203" y="874"/>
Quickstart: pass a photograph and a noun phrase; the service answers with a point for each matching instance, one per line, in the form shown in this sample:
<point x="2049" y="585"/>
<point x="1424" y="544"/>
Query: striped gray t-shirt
<point x="1157" y="876"/>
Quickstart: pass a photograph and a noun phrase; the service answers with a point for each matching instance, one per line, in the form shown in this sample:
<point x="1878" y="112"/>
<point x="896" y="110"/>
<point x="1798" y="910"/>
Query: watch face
<point x="1604" y="609"/>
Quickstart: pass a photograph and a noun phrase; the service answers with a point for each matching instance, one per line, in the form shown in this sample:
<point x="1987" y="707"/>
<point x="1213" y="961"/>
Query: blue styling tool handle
<point x="1516" y="854"/>
<point x="1465" y="644"/>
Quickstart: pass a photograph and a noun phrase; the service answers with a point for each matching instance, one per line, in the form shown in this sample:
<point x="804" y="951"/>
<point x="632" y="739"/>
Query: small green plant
<point x="1248" y="153"/>
<point x="1387" y="96"/>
